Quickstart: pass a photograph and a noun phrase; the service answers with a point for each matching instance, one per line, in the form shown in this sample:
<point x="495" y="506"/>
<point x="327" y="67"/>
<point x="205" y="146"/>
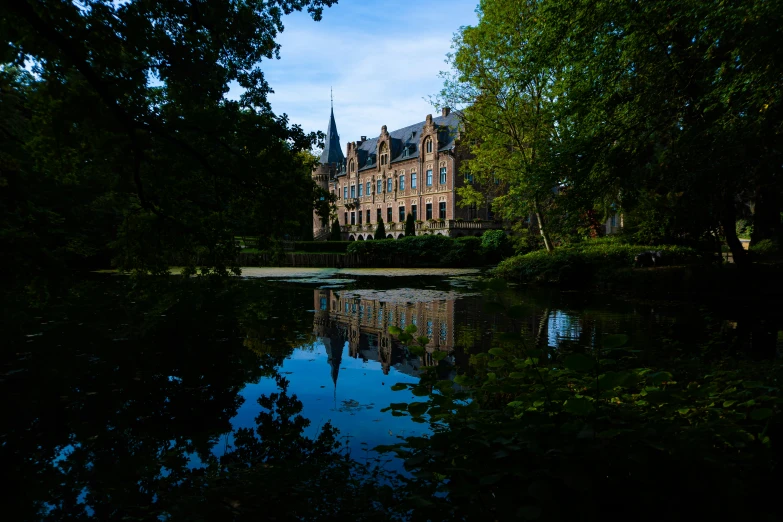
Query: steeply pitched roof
<point x="409" y="137"/>
<point x="332" y="153"/>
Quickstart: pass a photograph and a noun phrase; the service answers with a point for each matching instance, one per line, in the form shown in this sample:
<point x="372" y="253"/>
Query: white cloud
<point x="381" y="57"/>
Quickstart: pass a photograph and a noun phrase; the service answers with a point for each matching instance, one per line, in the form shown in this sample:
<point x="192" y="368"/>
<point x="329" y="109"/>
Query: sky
<point x="382" y="58"/>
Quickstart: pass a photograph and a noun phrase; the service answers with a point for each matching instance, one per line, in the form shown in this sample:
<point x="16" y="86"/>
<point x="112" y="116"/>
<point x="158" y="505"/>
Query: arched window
<point x="384" y="154"/>
<point x="428" y="145"/>
<point x="351" y="167"/>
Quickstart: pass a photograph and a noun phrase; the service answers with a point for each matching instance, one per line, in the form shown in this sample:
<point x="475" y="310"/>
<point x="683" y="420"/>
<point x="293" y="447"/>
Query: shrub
<point x="584" y="263"/>
<point x="380" y="230"/>
<point x="339" y="247"/>
<point x="495" y="245"/>
<point x="423" y="251"/>
<point x="410" y="225"/>
<point x="335" y="234"/>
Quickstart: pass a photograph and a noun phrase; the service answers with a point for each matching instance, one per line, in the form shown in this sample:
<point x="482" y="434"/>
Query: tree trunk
<point x="541" y="229"/>
<point x="729" y="223"/>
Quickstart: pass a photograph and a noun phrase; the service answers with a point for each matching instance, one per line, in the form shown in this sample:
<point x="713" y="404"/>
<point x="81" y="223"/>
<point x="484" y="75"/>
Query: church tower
<point x="331" y="163"/>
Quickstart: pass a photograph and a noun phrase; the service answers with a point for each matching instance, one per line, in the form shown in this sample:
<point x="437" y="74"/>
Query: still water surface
<point x="115" y="388"/>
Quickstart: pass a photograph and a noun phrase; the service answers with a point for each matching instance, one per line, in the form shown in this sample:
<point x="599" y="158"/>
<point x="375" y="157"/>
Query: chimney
<point x="445" y="111"/>
<point x="364" y="138"/>
<point x="428" y="119"/>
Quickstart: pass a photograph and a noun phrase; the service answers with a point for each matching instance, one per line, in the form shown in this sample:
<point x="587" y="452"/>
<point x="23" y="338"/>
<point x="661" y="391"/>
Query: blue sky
<point x="382" y="58"/>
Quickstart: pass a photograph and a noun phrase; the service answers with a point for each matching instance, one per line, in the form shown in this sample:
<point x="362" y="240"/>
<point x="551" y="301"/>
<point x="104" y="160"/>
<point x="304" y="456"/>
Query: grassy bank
<point x="586" y="263"/>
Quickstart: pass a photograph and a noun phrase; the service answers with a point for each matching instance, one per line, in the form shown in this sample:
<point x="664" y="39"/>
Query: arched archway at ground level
<point x="389" y="236"/>
<point x="360" y="238"/>
<point x="369" y="237"/>
<point x="351" y="238"/>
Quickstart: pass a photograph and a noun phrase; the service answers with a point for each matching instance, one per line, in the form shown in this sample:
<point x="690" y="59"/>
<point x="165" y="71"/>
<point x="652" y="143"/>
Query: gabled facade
<point x="414" y="170"/>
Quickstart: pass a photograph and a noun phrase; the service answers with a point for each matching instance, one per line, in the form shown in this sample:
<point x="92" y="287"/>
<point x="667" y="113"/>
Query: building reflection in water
<point x="363" y="323"/>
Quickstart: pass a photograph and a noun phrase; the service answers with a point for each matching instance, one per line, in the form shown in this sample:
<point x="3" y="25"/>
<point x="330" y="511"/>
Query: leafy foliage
<point x="380" y="230"/>
<point x="410" y="226"/>
<point x="162" y="167"/>
<point x="422" y="251"/>
<point x="534" y="433"/>
<point x="584" y="262"/>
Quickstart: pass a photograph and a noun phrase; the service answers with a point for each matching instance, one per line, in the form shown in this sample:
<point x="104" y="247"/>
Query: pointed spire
<point x="333" y="152"/>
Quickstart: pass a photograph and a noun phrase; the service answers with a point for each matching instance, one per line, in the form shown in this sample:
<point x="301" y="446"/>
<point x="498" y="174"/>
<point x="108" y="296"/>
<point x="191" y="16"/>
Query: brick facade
<point x="417" y="169"/>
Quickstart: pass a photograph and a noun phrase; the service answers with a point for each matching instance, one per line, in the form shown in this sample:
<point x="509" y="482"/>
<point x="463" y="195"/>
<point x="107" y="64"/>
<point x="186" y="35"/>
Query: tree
<point x="336" y="234"/>
<point x="162" y="168"/>
<point x="410" y="226"/>
<point x="380" y="231"/>
<point x="508" y="89"/>
<point x="641" y="105"/>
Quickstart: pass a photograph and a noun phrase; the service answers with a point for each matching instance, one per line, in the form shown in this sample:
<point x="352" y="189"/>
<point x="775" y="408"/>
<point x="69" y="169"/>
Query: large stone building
<point x="413" y="170"/>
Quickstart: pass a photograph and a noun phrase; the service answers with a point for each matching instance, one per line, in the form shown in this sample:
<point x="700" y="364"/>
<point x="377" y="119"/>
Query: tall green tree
<point x="336" y="234"/>
<point x="508" y="88"/>
<point x="122" y="133"/>
<point x="669" y="110"/>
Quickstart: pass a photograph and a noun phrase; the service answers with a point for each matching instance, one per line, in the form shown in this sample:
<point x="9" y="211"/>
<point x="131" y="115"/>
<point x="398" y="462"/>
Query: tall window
<point x="468" y="177"/>
<point x="389" y="215"/>
<point x="413" y="180"/>
<point x="361" y="190"/>
<point x="389" y="186"/>
<point x="384" y="152"/>
<point x="345" y="218"/>
<point x="378" y="215"/>
<point x="428" y="210"/>
<point x="442" y="210"/>
<point x="379" y="187"/>
<point x="402" y="182"/>
<point x="359" y="216"/>
<point x="367" y="188"/>
<point x="428" y="145"/>
<point x="353" y="218"/>
<point x="429" y="177"/>
<point x="353" y="191"/>
<point x="368" y="216"/>
<point x="402" y="214"/>
<point x="413" y="211"/>
<point x="345" y="192"/>
<point x="443" y="175"/>
<point x="351" y="167"/>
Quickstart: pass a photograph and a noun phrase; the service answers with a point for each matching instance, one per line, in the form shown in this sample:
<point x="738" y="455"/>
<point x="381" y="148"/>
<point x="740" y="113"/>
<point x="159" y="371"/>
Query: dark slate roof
<point x="409" y="137"/>
<point x="332" y="153"/>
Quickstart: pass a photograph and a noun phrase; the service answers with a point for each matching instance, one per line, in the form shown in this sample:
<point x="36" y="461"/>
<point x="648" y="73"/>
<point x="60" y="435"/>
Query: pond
<point x="122" y="390"/>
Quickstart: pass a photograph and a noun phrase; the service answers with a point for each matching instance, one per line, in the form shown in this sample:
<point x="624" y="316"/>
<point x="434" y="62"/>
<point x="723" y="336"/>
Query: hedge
<point x="585" y="263"/>
<point x="338" y="247"/>
<point x="423" y="251"/>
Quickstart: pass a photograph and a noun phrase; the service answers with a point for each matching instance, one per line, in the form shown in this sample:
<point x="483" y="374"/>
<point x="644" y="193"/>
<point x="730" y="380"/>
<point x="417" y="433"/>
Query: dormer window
<point x="405" y="152"/>
<point x="428" y="145"/>
<point x="369" y="160"/>
<point x="384" y="154"/>
<point x="352" y="167"/>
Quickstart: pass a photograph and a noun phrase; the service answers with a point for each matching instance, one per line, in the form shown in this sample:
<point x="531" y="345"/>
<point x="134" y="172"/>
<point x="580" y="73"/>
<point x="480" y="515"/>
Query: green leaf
<point x="578" y="406"/>
<point x="496" y="351"/>
<point x="611" y="342"/>
<point x="405" y="338"/>
<point x="411" y="329"/>
<point x="394" y="330"/>
<point x="516" y="375"/>
<point x="439" y="356"/>
<point x="496" y="364"/>
<point x="661" y="377"/>
<point x="416" y="350"/>
<point x="399" y="387"/>
<point x="462" y="380"/>
<point x="418" y="408"/>
<point x="611" y="380"/>
<point x="728" y="404"/>
<point x="683" y="411"/>
<point x="761" y="414"/>
<point x="579" y="362"/>
<point x="423" y="340"/>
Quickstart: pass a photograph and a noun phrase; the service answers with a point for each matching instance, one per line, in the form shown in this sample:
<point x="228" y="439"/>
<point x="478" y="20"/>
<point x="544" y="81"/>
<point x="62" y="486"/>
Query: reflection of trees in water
<point x="107" y="409"/>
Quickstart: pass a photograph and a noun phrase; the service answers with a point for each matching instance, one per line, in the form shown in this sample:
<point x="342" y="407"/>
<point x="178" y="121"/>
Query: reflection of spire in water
<point x="334" y="352"/>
